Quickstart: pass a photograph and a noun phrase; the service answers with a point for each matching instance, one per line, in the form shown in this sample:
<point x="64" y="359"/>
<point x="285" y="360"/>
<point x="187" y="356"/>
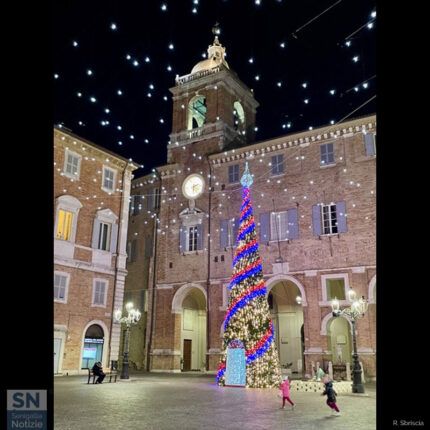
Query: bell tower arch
<point x="212" y="108"/>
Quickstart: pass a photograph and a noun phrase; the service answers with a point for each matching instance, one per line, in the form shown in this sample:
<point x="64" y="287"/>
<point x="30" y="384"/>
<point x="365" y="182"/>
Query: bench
<point x="107" y="371"/>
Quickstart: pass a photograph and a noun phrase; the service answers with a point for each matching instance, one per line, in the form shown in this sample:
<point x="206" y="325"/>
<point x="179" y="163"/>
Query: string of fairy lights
<point x="127" y="137"/>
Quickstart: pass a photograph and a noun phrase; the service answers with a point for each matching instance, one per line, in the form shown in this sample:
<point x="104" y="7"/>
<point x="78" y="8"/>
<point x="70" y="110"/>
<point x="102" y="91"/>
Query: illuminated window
<point x="67" y="210"/>
<point x="335" y="288"/>
<point x="64" y="227"/>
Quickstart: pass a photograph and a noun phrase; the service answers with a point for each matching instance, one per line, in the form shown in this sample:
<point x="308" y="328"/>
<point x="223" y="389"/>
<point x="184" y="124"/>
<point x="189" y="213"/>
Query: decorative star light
<point x="79" y="94"/>
<point x="56" y="76"/>
<point x="164" y="7"/>
<point x="107" y="110"/>
<point x="282" y="44"/>
<point x="119" y="92"/>
<point x="89" y="72"/>
<point x="147" y="59"/>
<point x="332" y="92"/>
<point x="93" y="99"/>
<point x="75" y="44"/>
<point x="246" y="179"/>
<point x="128" y="56"/>
<point x="251" y="60"/>
<point x="279" y="84"/>
<point x="257" y="77"/>
<point x="113" y="26"/>
<point x="135" y="63"/>
<point x="169" y="68"/>
<point x="304" y="85"/>
<point x="306" y="101"/>
<point x="171" y="47"/>
<point x="355" y="59"/>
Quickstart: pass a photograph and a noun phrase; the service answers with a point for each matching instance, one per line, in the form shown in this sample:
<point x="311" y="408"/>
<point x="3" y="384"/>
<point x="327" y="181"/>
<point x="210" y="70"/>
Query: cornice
<point x="76" y="143"/>
<point x="301" y="139"/>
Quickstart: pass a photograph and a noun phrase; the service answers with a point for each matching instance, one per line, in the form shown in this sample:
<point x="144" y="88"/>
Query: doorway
<point x="93" y="346"/>
<point x="287" y="316"/>
<point x="57" y="349"/>
<point x="187" y="355"/>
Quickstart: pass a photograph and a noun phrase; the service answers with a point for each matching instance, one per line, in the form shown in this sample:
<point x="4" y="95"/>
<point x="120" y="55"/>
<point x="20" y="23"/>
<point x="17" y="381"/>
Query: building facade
<point x="314" y="201"/>
<point x="91" y="195"/>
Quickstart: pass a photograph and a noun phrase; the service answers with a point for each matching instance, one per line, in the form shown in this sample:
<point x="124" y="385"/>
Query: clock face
<point x="193" y="186"/>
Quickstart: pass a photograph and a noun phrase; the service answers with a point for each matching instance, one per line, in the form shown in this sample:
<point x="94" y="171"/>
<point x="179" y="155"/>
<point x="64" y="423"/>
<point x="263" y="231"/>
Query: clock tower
<point x="213" y="109"/>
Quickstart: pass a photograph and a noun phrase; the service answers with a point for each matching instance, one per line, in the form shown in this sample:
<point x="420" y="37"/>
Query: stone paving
<point x="193" y="401"/>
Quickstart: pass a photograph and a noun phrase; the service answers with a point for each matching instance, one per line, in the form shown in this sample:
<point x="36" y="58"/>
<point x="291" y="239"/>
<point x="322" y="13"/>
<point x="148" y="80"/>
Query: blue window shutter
<point x="223" y="234"/>
<point x="183" y="239"/>
<point x="316" y="219"/>
<point x="150" y="200"/>
<point x="236" y="226"/>
<point x="264" y="227"/>
<point x="199" y="236"/>
<point x="113" y="238"/>
<point x="370" y="147"/>
<point x="96" y="230"/>
<point x="293" y="224"/>
<point x="341" y="218"/>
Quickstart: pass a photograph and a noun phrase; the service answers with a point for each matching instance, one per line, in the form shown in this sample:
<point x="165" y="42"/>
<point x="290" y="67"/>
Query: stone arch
<point x="371" y="294"/>
<point x="105" y="354"/>
<point x="328" y="317"/>
<point x="181" y="294"/>
<point x="271" y="282"/>
<point x="197" y="112"/>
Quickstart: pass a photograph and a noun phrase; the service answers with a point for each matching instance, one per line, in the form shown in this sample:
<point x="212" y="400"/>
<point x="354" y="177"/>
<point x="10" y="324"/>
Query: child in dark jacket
<point x="331" y="397"/>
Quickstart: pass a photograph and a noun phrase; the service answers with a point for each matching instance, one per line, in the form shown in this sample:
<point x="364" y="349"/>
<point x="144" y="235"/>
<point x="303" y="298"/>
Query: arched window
<point x="196" y="112"/>
<point x="239" y="117"/>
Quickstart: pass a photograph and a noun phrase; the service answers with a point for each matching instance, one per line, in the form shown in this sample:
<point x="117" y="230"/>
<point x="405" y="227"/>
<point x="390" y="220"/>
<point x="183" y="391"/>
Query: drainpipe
<point x="209" y="266"/>
<point x="116" y="262"/>
<point x="154" y="277"/>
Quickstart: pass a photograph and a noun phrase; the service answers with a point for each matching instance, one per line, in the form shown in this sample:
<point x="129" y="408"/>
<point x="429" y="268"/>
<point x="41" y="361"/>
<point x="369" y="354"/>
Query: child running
<point x="331" y="397"/>
<point x="285" y="388"/>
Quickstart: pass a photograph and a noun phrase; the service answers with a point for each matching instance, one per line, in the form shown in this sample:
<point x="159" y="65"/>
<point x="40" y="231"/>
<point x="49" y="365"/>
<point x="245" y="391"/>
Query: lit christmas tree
<point x="247" y="316"/>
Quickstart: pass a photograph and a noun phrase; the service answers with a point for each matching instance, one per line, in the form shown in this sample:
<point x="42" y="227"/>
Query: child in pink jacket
<point x="285" y="388"/>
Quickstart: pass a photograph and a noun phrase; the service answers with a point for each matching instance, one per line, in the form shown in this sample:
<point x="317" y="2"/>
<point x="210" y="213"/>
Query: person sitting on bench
<point x="98" y="370"/>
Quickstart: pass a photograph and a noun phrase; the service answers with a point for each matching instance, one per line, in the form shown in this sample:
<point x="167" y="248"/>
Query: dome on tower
<point x="216" y="56"/>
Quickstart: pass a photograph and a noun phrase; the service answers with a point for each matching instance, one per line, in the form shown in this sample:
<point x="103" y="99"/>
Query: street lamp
<point x="132" y="318"/>
<point x="357" y="310"/>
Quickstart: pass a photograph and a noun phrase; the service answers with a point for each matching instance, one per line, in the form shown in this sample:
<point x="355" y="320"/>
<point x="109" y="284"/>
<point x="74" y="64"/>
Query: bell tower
<point x="212" y="108"/>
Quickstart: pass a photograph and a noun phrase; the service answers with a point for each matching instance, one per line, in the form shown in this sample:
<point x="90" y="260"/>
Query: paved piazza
<point x="194" y="401"/>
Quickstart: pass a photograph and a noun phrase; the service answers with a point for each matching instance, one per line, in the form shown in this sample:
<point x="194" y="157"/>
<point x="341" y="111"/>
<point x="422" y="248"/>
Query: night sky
<point x="300" y="50"/>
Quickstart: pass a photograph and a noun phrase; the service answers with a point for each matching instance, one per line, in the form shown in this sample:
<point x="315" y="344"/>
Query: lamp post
<point x="132" y="318"/>
<point x="357" y="310"/>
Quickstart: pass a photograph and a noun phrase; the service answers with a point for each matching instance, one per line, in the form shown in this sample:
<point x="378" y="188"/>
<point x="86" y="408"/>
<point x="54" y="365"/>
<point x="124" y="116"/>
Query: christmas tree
<point x="247" y="317"/>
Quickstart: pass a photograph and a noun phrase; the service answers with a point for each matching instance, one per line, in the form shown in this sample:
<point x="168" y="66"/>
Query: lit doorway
<point x="339" y="340"/>
<point x="193" y="331"/>
<point x="93" y="346"/>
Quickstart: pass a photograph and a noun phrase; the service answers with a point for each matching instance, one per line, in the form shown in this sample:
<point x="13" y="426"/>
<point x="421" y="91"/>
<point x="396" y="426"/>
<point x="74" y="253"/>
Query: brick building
<point x="314" y="203"/>
<point x="91" y="194"/>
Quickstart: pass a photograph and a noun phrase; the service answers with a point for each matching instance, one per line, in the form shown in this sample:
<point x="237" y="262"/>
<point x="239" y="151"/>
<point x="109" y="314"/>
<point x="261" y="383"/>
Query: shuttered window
<point x="326" y="154"/>
<point x="278" y="226"/>
<point x="104" y="236"/>
<point x="370" y="143"/>
<point x="329" y="219"/>
<point x="108" y="179"/>
<point x="60" y="285"/>
<point x="72" y="164"/>
<point x="278" y="164"/>
<point x="191" y="238"/>
<point x="136" y="205"/>
<point x="228" y="232"/>
<point x="99" y="297"/>
<point x="233" y="174"/>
